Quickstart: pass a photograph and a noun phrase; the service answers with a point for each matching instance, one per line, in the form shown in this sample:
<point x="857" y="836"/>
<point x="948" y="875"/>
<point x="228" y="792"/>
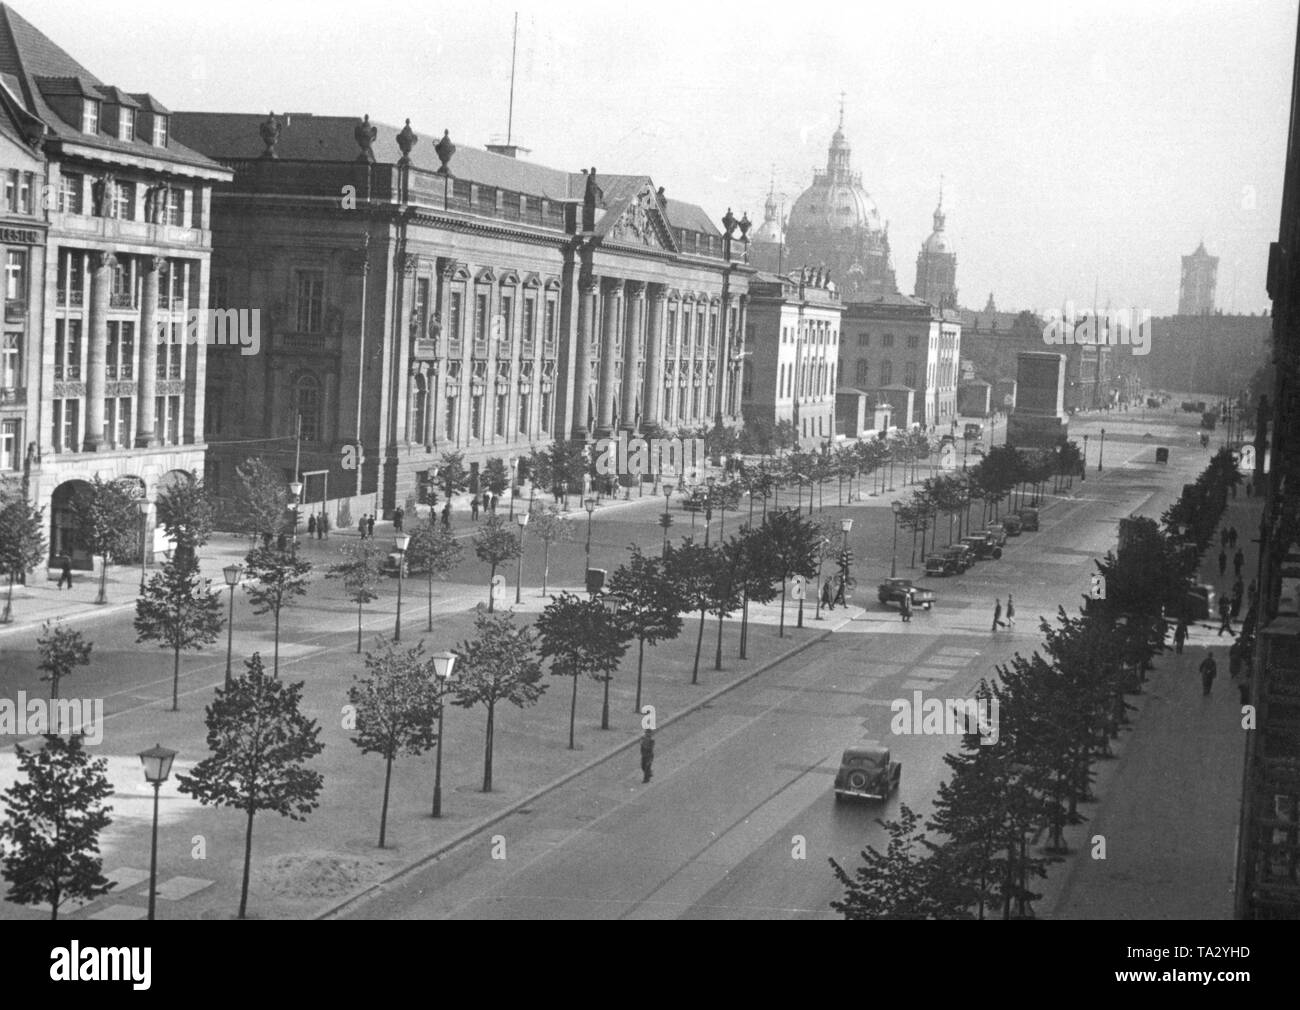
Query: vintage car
<point x="389" y="566"/>
<point x="982" y="546"/>
<point x="972" y="430"/>
<point x="1011" y="523"/>
<point x="1028" y="520"/>
<point x="961" y="555"/>
<point x="997" y="533"/>
<point x="866" y="772"/>
<point x="893" y="591"/>
<point x="943" y="564"/>
<point x="1199" y="603"/>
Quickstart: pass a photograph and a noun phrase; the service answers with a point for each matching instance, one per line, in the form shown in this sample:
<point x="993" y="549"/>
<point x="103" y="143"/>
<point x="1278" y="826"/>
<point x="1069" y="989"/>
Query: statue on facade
<point x="406" y="140"/>
<point x="270" y="131"/>
<point x="365" y="135"/>
<point x="444" y="150"/>
<point x="101" y="192"/>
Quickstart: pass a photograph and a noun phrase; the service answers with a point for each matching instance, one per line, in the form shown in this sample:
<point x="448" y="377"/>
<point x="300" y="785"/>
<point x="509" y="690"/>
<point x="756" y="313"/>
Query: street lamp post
<point x="666" y="520"/>
<point x="295" y="489"/>
<point x="845" y="526"/>
<point x="522" y="520"/>
<point x="157" y="761"/>
<point x="514" y="471"/>
<point x="893" y="561"/>
<point x="709" y="481"/>
<point x="143" y="505"/>
<point x="1083" y="470"/>
<point x="821" y="556"/>
<point x="1101" y="451"/>
<point x="232" y="574"/>
<point x="400" y="542"/>
<point x="611" y="605"/>
<point x="590" y="505"/>
<point x="443" y="665"/>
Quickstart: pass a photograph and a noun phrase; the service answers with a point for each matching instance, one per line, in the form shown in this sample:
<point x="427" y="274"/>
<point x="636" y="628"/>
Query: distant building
<point x="767" y="241"/>
<point x="936" y="266"/>
<point x="898" y="340"/>
<point x="1205" y="353"/>
<point x="1196" y="289"/>
<point x="835" y="224"/>
<point x="793" y="344"/>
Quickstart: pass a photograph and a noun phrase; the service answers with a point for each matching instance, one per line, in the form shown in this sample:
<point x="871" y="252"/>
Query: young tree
<point x="649" y="606"/>
<point x="62" y="650"/>
<point x="726" y="593"/>
<point x="50" y="835"/>
<point x="434" y="551"/>
<point x="553" y="527"/>
<point x="396" y="710"/>
<point x="784" y="435"/>
<point x="792" y="543"/>
<point x="106" y="518"/>
<point x="22" y="541"/>
<point x="757" y="576"/>
<point x="260" y="743"/>
<point x="579" y="636"/>
<point x="691" y="569"/>
<point x="496" y="475"/>
<point x="452" y="473"/>
<point x="498" y="665"/>
<point x="186" y="511"/>
<point x="494" y="544"/>
<point x="360" y="573"/>
<point x="179" y="611"/>
<point x="261" y="498"/>
<point x="275" y="579"/>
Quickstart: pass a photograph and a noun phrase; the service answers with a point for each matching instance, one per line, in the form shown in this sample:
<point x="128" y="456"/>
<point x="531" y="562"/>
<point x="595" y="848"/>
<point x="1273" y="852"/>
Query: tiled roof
<point x="236" y="136"/>
<point x="117" y="96"/>
<point x="147" y="101"/>
<point x="37" y="65"/>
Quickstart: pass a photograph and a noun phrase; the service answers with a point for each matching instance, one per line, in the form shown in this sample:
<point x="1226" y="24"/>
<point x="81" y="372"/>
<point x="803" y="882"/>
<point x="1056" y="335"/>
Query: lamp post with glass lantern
<point x="400" y="542"/>
<point x="1101" y="451"/>
<point x="590" y="505"/>
<point x="157" y="761"/>
<point x="295" y="489"/>
<point x="893" y="563"/>
<point x="845" y="556"/>
<point x="443" y="665"/>
<point x="522" y="521"/>
<point x="232" y="574"/>
<point x="142" y="504"/>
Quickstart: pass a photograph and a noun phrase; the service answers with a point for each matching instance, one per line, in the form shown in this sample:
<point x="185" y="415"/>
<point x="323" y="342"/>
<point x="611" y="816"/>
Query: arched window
<point x="306" y="403"/>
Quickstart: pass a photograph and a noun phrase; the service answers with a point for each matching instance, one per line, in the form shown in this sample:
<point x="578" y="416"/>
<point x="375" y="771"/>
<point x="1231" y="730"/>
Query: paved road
<point x="740" y="818"/>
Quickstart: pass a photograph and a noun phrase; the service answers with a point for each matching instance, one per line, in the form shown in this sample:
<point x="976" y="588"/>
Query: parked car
<point x="943" y="564"/>
<point x="998" y="533"/>
<point x="893" y="591"/>
<point x="1200" y="603"/>
<point x="1011" y="523"/>
<point x="1028" y="520"/>
<point x="961" y="555"/>
<point x="982" y="546"/>
<point x="866" y="772"/>
<point x="389" y="567"/>
<point x="972" y="431"/>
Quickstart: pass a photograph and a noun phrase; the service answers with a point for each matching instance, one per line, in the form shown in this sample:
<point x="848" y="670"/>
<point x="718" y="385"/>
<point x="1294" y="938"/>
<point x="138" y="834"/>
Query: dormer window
<point x="126" y="124"/>
<point x="159" y="131"/>
<point x="89" y="115"/>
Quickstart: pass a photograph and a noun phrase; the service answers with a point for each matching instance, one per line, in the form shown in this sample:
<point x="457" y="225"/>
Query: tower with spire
<point x="1196" y="289"/>
<point x="936" y="264"/>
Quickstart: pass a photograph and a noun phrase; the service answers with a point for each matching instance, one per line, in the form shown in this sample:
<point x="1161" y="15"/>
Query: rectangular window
<point x="420" y="311"/>
<point x="909" y="374"/>
<point x="481" y="319"/>
<point x="126" y="352"/>
<point x="550" y="322"/>
<point x="507" y="320"/>
<point x="173" y="420"/>
<point x="111" y="367"/>
<point x="124" y="201"/>
<point x="89" y="115"/>
<point x="25" y="193"/>
<point x="118" y="414"/>
<point x="11" y="361"/>
<point x="10" y="458"/>
<point x="70" y="186"/>
<point x="503" y="406"/>
<point x="176" y="201"/>
<point x="16" y="275"/>
<point x="476" y="416"/>
<point x="454" y="320"/>
<point x="175" y="359"/>
<point x="159" y="131"/>
<point x="125" y="124"/>
<point x="889" y="340"/>
<point x="311" y="301"/>
<point x="530" y="313"/>
<point x="886" y="373"/>
<point x="66" y="425"/>
<point x="525" y="403"/>
<point x="11" y="191"/>
<point x="912" y="340"/>
<point x="861" y="375"/>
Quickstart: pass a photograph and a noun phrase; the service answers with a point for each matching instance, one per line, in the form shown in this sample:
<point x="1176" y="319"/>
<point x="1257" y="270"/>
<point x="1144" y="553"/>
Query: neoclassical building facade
<point x="418" y="298"/>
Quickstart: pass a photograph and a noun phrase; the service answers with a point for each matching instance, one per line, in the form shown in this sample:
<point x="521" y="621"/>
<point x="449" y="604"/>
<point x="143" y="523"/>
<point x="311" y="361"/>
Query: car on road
<point x="998" y="533"/>
<point x="961" y="554"/>
<point x="943" y="564"/>
<point x="1199" y="603"/>
<point x="893" y="591"/>
<point x="1011" y="523"/>
<point x="867" y="772"/>
<point x="1028" y="520"/>
<point x="972" y="431"/>
<point x="982" y="546"/>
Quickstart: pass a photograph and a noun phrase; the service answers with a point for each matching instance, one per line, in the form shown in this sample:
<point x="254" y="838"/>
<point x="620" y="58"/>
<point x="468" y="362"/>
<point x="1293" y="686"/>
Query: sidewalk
<point x="1168" y="805"/>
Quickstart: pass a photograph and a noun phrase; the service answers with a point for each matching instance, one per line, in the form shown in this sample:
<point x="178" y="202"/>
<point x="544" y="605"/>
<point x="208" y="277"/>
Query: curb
<point x="475" y="829"/>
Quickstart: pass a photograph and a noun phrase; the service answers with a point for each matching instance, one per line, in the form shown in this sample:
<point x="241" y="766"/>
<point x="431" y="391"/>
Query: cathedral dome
<point x="770" y="229"/>
<point x="832" y="205"/>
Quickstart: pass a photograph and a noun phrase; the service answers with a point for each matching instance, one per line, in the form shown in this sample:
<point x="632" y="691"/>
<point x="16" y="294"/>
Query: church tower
<point x="1196" y="292"/>
<point x="936" y="265"/>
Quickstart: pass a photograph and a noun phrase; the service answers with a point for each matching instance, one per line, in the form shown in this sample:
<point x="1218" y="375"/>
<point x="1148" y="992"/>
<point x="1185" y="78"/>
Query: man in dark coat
<point x="1225" y="615"/>
<point x="1238" y="560"/>
<point x="311" y="524"/>
<point x="1208" y="672"/>
<point x="446" y="515"/>
<point x="473" y="507"/>
<point x="1223" y="562"/>
<point x="398" y="514"/>
<point x="65" y="573"/>
<point x="997" y="616"/>
<point x="1180" y="635"/>
<point x="647" y="754"/>
<point x="372" y="526"/>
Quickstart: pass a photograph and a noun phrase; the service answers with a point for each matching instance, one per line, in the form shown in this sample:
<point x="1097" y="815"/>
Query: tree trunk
<point x="358" y="625"/>
<point x="9" y="603"/>
<point x="487" y="747"/>
<point x="546" y="563"/>
<point x="276" y="668"/>
<point x="103" y="580"/>
<point x="176" y="679"/>
<point x="780" y="631"/>
<point x="383" y="812"/>
<point x="744" y="621"/>
<point x="640" y="660"/>
<point x="491" y="586"/>
<point x="604" y="710"/>
<point x="573" y="709"/>
<point x="717" y="660"/>
<point x="248" y="863"/>
<point x="699" y="642"/>
<point x="430" y="601"/>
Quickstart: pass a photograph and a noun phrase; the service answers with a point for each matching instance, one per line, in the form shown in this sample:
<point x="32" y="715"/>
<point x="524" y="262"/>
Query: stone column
<point x="609" y="342"/>
<point x="633" y="340"/>
<point x="101" y="286"/>
<point x="155" y="268"/>
<point x="739" y="344"/>
<point x="652" y="395"/>
<point x="589" y="290"/>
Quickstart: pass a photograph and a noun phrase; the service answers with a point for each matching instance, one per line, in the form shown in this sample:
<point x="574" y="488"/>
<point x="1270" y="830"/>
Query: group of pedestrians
<point x="832" y="595"/>
<point x="318" y="526"/>
<point x="998" y="622"/>
<point x="487" y="502"/>
<point x="366" y="527"/>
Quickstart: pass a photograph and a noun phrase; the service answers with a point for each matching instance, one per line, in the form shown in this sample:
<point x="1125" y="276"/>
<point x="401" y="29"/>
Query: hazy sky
<point x="1082" y="145"/>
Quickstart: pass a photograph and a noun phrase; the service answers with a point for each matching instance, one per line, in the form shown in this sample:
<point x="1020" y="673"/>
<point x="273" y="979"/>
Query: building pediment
<point x="639" y="220"/>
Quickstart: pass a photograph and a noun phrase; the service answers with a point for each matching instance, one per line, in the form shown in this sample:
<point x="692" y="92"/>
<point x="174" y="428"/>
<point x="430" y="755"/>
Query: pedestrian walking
<point x="493" y="507"/>
<point x="399" y="514"/>
<point x="1236" y="599"/>
<point x="839" y="592"/>
<point x="446" y="515"/>
<point x="907" y="607"/>
<point x="311" y="524"/>
<point x="487" y="503"/>
<point x="1225" y="616"/>
<point x="1180" y="635"/>
<point x="65" y="573"/>
<point x="1232" y="536"/>
<point x="1011" y="612"/>
<point x="997" y="615"/>
<point x="828" y="596"/>
<point x="647" y="755"/>
<point x="473" y="507"/>
<point x="1223" y="562"/>
<point x="1208" y="672"/>
<point x="372" y="526"/>
<point x="1238" y="560"/>
<point x="323" y="529"/>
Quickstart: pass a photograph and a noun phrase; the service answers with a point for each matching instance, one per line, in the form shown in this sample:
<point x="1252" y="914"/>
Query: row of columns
<point x="101" y="288"/>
